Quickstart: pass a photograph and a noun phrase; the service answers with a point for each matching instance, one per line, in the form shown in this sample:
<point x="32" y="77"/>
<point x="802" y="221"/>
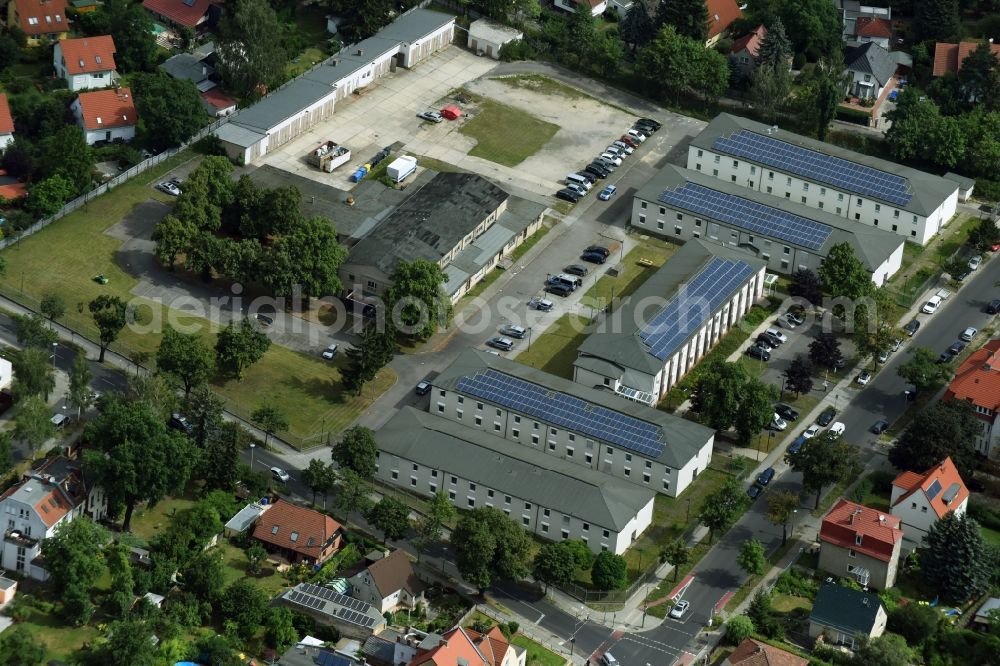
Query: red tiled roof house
<point x="948" y="58"/>
<point x="921" y="499"/>
<point x="181" y="13"/>
<point x="6" y="122"/>
<point x="862" y="543"/>
<point x="298" y="534"/>
<point x="88" y="62"/>
<point x="978" y="383"/>
<point x="42" y="21"/>
<point x="106" y="115"/>
<point x="721" y="14"/>
<point x="755" y="653"/>
<point x="471" y="648"/>
<point x="873" y="29"/>
<point x="743" y="54"/>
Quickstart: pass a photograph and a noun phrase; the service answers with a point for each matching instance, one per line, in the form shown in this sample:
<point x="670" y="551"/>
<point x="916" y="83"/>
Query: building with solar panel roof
<point x="680" y="205"/>
<point x="670" y="322"/>
<point x="585" y="426"/>
<point x="860" y="188"/>
<point x="353" y="618"/>
<point x="553" y="496"/>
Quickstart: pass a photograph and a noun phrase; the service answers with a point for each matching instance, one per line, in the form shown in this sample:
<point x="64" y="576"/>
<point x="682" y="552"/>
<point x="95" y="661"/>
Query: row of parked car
<point x="580" y="183"/>
<point x="769" y="340"/>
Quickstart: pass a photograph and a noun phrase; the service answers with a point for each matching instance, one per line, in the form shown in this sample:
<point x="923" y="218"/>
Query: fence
<point x="526" y="629"/>
<point x="588" y="596"/>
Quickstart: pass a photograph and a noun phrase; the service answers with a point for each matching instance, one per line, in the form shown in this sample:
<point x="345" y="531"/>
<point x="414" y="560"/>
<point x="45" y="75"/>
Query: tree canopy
<point x="251" y="56"/>
<point x="688" y="17"/>
<point x="170" y="110"/>
<point x="132" y="27"/>
<point x="489" y="545"/>
<point x="824" y="459"/>
<point x="942" y="430"/>
<point x="842" y="273"/>
<point x="723" y="507"/>
<point x="671" y="62"/>
<point x="957" y="561"/>
<point x="240" y="345"/>
<point x="922" y="369"/>
<point x="391" y="517"/>
<point x="110" y="316"/>
<point x="416" y="301"/>
<point x="185" y="358"/>
<point x="357" y="450"/>
<point x="609" y="571"/>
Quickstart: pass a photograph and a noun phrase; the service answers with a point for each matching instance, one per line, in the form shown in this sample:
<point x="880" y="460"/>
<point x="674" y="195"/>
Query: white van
<point x="931" y="306"/>
<point x="577" y="179"/>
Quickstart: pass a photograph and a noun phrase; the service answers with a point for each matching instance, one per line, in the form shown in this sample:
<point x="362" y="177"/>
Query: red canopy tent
<point x="451" y="112"/>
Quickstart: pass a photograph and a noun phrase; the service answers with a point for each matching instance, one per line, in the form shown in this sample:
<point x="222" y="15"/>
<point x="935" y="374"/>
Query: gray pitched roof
<point x="350" y="59"/>
<point x="430" y="222"/>
<point x="928" y="190"/>
<point x="683" y="438"/>
<point x="512" y="468"/>
<point x="414" y="25"/>
<point x="282" y="104"/>
<point x="623" y="347"/>
<point x="871" y="245"/>
<point x="870" y="58"/>
<point x="850" y="611"/>
<point x="187" y="66"/>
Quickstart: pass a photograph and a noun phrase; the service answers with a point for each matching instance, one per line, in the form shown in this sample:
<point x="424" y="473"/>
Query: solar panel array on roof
<point x="933" y="490"/>
<point x="349" y="609"/>
<point x="816" y="166"/>
<point x="564" y="410"/>
<point x="637" y="395"/>
<point x="354" y="617"/>
<point x="694" y="302"/>
<point x="748" y="215"/>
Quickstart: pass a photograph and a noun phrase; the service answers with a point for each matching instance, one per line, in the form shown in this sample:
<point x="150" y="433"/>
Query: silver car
<point x="680" y="609"/>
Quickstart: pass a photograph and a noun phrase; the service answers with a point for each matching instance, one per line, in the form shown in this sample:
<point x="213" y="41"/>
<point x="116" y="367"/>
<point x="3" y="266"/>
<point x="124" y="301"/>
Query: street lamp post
<point x="529" y="338"/>
<point x="782" y="396"/>
<point x="252" y="447"/>
<point x="55" y="346"/>
<point x="443" y="558"/>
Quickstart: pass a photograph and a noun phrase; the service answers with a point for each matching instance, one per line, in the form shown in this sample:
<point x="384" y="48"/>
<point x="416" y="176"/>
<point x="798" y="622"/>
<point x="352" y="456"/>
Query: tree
<point x="719" y="389"/>
<point x="886" y="650"/>
<point x="110" y="316"/>
<point x="843" y="274"/>
<point x="760" y="611"/>
<point x="922" y="369"/>
<point x="781" y="506"/>
<point x="32" y="373"/>
<point x="154" y="392"/>
<point x="251" y="57"/>
<point x="821" y="92"/>
<point x="33" y="423"/>
<point x="756" y="409"/>
<point x="77" y="607"/>
<point x="357" y="450"/>
<point x="65" y="153"/>
<point x="279" y="630"/>
<point x="936" y="20"/>
<point x="204" y="575"/>
<point x="677" y="554"/>
<point x="122" y="581"/>
<point x="219" y="461"/>
<point x="582" y="554"/>
<point x="255" y="557"/>
<point x="185" y="358"/>
<point x="609" y="572"/>
<point x="52" y="306"/>
<point x="799" y="374"/>
<point x="378" y="346"/>
<point x="132" y="26"/>
<point x="688" y="17"/>
<point x="170" y="110"/>
<point x="429" y="526"/>
<point x="47" y="196"/>
<point x="318" y="477"/>
<point x="203" y="410"/>
<point x="246" y="604"/>
<point x="352" y="492"/>
<point x="306" y="258"/>
<point x="914" y="622"/>
<point x="985" y="234"/>
<point x="723" y="507"/>
<point x="814" y="27"/>
<point x="391" y="517"/>
<point x="751" y="558"/>
<point x="913" y="115"/>
<point x="806" y="284"/>
<point x="32" y="331"/>
<point x="416" y="300"/>
<point x="270" y="419"/>
<point x="775" y="49"/>
<point x="946" y="429"/>
<point x="738" y="629"/>
<point x="240" y="345"/>
<point x="489" y="545"/>
<point x="769" y="88"/>
<point x="637" y="26"/>
<point x="823" y="460"/>
<point x="18" y="647"/>
<point x="6" y="453"/>
<point x="553" y="565"/>
<point x="173" y="236"/>
<point x="73" y="553"/>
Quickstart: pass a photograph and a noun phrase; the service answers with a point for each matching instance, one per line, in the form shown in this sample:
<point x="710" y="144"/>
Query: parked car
<point x="786" y="412"/>
<point x="777" y="335"/>
<point x="789" y="321"/>
<point x="567" y="194"/>
<point x="758" y="353"/>
<point x="330" y="351"/>
<point x="576" y="269"/>
<point x="883" y="356"/>
<point x="607" y="193"/>
<point x="580" y="190"/>
<point x="864" y="378"/>
<point x="179" y="422"/>
<point x="766" y="342"/>
<point x="608" y="659"/>
<point x="632" y="141"/>
<point x="645" y="134"/>
<point x="600" y="249"/>
<point x="59" y="421"/>
<point x="975" y="262"/>
<point x="766" y="476"/>
<point x="969" y="333"/>
<point x="879" y="427"/>
<point x="811" y="431"/>
<point x="778" y="423"/>
<point x="169" y="188"/>
<point x="655" y="124"/>
<point x="279" y="474"/>
<point x="423" y="388"/>
<point x="794" y="317"/>
<point x="608" y="165"/>
<point x="993" y="307"/>
<point x="680" y="609"/>
<point x="624" y="146"/>
<point x="896" y="344"/>
<point x="912" y="327"/>
<point x="560" y="290"/>
<point x="838" y="429"/>
<point x="796" y="446"/>
<point x="611" y="157"/>
<point x="513" y="331"/>
<point x="931" y="306"/>
<point x="956" y="347"/>
<point x="433" y="116"/>
<point x="636" y="135"/>
<point x="753" y="492"/>
<point x="826" y="416"/>
<point x="597" y="169"/>
<point x="593" y="257"/>
<point x="501" y="343"/>
<point x="541" y="304"/>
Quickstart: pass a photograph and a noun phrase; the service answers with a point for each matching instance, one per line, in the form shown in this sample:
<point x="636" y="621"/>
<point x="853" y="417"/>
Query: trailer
<point x="400" y="168"/>
<point x="328" y="155"/>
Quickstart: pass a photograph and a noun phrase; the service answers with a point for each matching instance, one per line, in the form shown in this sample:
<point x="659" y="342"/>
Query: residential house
<point x="858" y="187"/>
<point x="470" y="648"/>
<point x="743" y="53"/>
<point x="870" y="70"/>
<point x="977" y="382"/>
<point x="721" y="14"/>
<point x="460" y="221"/>
<point x="597" y="7"/>
<point x="948" y="58"/>
<point x="680" y="204"/>
<point x="699" y="294"/>
<point x="920" y="500"/>
<point x="6" y="123"/>
<point x="193" y="67"/>
<point x="861" y="543"/>
<point x="857" y="18"/>
<point x="183" y="13"/>
<point x="43" y="21"/>
<point x="53" y="493"/>
<point x="306" y="653"/>
<point x="986" y="615"/>
<point x="352" y="618"/>
<point x="548" y="496"/>
<point x="844" y="616"/>
<point x="87" y="62"/>
<point x="559" y="419"/>
<point x="298" y="534"/>
<point x="756" y="653"/>
<point x="488" y="37"/>
<point x="107" y="116"/>
<point x="217" y="104"/>
<point x="389" y="583"/>
<point x="873" y="29"/>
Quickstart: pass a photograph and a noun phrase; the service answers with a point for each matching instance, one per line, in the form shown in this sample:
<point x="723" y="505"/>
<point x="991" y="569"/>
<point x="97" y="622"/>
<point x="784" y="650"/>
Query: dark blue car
<point x="766" y="476"/>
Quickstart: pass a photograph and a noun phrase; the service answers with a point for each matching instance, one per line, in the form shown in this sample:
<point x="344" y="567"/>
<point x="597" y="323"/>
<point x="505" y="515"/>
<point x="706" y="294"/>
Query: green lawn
<point x="234" y="562"/>
<point x="303" y="61"/>
<point x="555" y="350"/>
<point x="992" y="536"/>
<point x="149" y="522"/>
<point x="506" y="135"/>
<point x="60" y="640"/>
<point x="633" y="274"/>
<point x="537" y="654"/>
<point x="784" y="603"/>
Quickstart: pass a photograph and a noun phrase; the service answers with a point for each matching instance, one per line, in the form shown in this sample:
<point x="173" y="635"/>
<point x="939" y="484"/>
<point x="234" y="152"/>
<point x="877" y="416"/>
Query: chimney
<point x="361" y="52"/>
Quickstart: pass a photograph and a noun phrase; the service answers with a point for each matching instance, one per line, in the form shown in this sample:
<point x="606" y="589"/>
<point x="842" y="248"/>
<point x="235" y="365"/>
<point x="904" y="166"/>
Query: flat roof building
<point x="680" y="204"/>
<point x="861" y="188"/>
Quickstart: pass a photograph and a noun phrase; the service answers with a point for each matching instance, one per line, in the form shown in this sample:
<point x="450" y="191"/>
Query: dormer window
<point x="274" y="530"/>
<point x="97" y="59"/>
<point x="294" y="537"/>
<point x="99" y="121"/>
<point x="32" y="20"/>
<point x="857" y="539"/>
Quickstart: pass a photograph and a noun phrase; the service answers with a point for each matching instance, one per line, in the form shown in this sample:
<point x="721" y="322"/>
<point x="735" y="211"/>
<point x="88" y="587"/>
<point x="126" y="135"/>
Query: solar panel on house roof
<point x="693" y="304"/>
<point x="816" y="166"/>
<point x="934" y="489"/>
<point x="748" y="215"/>
<point x="564" y="410"/>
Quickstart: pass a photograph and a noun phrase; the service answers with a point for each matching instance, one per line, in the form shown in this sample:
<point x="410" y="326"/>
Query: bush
<point x="517" y="50"/>
<point x="797" y="584"/>
<point x="987" y="189"/>
<point x="209" y="145"/>
<point x="738" y="628"/>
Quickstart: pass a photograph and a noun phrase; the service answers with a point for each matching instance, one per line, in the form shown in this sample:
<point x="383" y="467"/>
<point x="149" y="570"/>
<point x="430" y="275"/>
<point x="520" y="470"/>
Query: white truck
<point x="328" y="155"/>
<point x="400" y="168"/>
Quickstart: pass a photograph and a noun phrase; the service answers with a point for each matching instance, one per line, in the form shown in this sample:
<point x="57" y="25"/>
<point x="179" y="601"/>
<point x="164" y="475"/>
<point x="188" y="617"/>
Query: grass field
<point x="992" y="536"/>
<point x="632" y="276"/>
<point x="537" y="654"/>
<point x="59" y="639"/>
<point x="542" y="84"/>
<point x="506" y="135"/>
<point x="555" y="350"/>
